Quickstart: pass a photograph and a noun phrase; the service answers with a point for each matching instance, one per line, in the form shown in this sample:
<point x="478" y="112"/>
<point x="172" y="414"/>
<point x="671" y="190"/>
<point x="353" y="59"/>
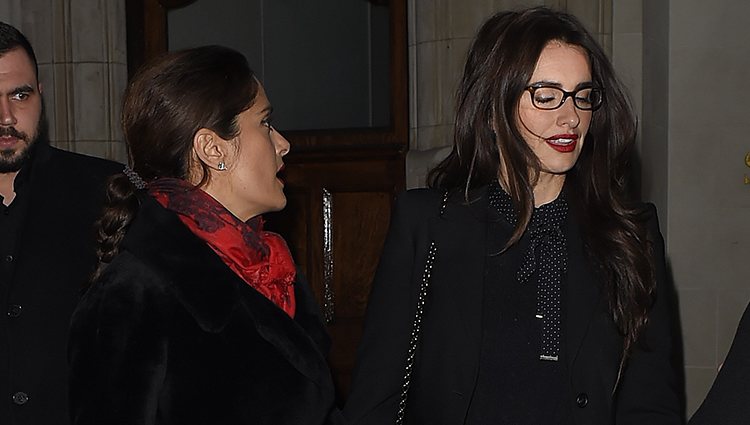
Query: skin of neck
<point x="7" y="190"/>
<point x="547" y="186"/>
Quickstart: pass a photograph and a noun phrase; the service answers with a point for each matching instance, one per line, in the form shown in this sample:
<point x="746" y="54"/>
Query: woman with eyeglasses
<point x="526" y="286"/>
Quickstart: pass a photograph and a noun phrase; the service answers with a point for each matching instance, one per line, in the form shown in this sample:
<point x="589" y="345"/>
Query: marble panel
<point x="37" y="26"/>
<point x="411" y="22"/>
<point x="91" y="101"/>
<point x="698" y="316"/>
<point x="697" y="382"/>
<point x="414" y="70"/>
<point x="627" y="58"/>
<point x="63" y="144"/>
<point x="47" y="78"/>
<point x="732" y="304"/>
<point x="97" y="148"/>
<point x="708" y="247"/>
<point x="605" y="41"/>
<point x="419" y="163"/>
<point x="710" y="163"/>
<point x="119" y="152"/>
<point x="442" y="20"/>
<point x="709" y="24"/>
<point x="413" y="131"/>
<point x="88" y="41"/>
<point x="116" y="34"/>
<point x="429" y="91"/>
<point x="465" y="21"/>
<point x="692" y="153"/>
<point x="10" y="12"/>
<point x="59" y="101"/>
<point x="425" y="15"/>
<point x="118" y="79"/>
<point x="452" y="65"/>
<point x="704" y="84"/>
<point x="520" y="4"/>
<point x="627" y="16"/>
<point x="436" y="136"/>
<point x="590" y="14"/>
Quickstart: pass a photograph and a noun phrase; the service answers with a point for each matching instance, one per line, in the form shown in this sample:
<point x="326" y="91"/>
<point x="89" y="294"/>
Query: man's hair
<point x="11" y="38"/>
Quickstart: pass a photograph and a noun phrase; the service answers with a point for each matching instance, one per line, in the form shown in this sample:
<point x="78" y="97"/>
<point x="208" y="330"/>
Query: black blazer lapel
<point x="583" y="292"/>
<point x="460" y="235"/>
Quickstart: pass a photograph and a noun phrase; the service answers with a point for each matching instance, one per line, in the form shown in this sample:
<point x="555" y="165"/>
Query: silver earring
<point x="221" y="166"/>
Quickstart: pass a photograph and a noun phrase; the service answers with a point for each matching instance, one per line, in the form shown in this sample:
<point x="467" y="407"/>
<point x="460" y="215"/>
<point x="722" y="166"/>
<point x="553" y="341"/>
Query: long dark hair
<point x="501" y="61"/>
<point x="165" y="105"/>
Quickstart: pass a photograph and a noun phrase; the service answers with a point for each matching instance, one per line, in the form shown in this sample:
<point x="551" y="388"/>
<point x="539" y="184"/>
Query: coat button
<point x="20" y="398"/>
<point x="14" y="310"/>
<point x="582" y="400"/>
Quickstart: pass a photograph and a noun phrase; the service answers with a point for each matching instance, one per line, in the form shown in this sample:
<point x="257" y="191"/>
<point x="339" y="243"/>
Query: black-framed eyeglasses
<point x="550" y="97"/>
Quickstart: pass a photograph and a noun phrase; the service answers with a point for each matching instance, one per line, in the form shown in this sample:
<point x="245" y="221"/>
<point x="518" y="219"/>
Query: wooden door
<point x="340" y="186"/>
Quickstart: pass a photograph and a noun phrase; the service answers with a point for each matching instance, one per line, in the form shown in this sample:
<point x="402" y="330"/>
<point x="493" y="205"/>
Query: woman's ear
<point x="211" y="149"/>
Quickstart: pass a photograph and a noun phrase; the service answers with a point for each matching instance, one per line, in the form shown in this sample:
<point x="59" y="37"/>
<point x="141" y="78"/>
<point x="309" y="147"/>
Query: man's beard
<point x="13" y="160"/>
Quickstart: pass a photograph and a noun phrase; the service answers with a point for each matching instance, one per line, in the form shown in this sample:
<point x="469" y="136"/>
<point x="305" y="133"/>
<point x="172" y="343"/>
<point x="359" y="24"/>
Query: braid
<point x="119" y="210"/>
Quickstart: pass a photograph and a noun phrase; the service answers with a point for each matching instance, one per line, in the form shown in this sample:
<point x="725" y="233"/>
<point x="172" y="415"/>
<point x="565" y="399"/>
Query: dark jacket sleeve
<point x="649" y="390"/>
<point x="118" y="348"/>
<point x="728" y="401"/>
<point x="381" y="356"/>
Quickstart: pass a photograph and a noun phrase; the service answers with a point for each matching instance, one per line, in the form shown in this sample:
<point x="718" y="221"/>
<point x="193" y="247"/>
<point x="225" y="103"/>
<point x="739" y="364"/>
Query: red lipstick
<point x="563" y="142"/>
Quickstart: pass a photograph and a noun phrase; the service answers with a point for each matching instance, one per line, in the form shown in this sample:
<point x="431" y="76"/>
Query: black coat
<point x="728" y="401"/>
<point x="170" y="335"/>
<point x="54" y="258"/>
<point x="447" y="361"/>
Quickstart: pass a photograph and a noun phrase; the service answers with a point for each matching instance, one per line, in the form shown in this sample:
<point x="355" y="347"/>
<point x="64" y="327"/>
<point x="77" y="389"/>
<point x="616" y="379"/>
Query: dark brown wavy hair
<point x="165" y="105"/>
<point x="500" y="63"/>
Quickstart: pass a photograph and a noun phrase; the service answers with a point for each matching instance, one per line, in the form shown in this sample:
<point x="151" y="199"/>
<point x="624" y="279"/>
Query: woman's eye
<point x="543" y="99"/>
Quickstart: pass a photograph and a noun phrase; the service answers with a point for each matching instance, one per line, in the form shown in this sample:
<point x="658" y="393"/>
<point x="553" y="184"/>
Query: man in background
<point x="49" y="200"/>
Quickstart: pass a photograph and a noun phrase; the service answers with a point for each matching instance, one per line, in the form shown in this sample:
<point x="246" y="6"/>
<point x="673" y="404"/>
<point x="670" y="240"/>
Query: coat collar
<point x="212" y="293"/>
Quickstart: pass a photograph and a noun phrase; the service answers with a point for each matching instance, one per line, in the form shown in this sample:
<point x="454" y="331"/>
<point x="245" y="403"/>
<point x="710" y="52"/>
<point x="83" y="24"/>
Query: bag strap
<point x="417" y="324"/>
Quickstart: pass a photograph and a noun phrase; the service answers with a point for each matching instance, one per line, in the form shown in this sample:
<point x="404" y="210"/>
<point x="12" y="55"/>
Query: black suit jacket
<point x="728" y="401"/>
<point x="447" y="360"/>
<point x="54" y="258"/>
<point x="170" y="335"/>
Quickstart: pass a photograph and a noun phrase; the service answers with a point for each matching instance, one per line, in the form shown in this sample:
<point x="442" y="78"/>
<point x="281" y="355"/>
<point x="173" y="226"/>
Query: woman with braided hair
<point x="196" y="314"/>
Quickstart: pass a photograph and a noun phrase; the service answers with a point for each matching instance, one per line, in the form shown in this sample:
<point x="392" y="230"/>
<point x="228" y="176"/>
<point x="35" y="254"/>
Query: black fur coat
<point x="170" y="335"/>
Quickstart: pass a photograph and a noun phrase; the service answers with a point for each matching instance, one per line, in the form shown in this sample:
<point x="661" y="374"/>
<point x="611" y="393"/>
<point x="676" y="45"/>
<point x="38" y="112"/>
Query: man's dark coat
<point x="53" y="260"/>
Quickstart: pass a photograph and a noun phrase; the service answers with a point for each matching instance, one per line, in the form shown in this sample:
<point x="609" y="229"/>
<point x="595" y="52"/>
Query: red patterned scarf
<point x="260" y="258"/>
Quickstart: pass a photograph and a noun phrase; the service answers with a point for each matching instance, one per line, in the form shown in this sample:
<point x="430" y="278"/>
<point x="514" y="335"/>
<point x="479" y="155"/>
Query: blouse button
<point x="14" y="310"/>
<point x="20" y="398"/>
<point x="582" y="400"/>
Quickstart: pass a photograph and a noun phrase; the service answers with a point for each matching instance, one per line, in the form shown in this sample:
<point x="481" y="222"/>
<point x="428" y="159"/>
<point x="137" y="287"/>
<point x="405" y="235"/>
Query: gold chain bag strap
<point x="417" y="324"/>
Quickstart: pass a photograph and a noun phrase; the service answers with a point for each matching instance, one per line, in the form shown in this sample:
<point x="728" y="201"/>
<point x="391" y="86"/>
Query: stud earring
<point x="221" y="166"/>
